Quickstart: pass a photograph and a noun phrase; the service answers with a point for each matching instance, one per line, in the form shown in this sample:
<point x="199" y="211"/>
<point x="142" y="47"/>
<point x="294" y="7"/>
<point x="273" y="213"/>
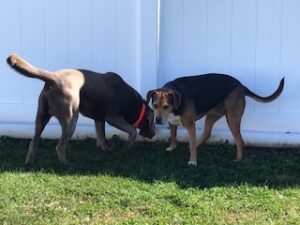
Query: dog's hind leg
<point x="42" y="118"/>
<point x="100" y="132"/>
<point x="68" y="127"/>
<point x="173" y="140"/>
<point x="235" y="106"/>
<point x="211" y="118"/>
<point x="123" y="125"/>
<point x="234" y="125"/>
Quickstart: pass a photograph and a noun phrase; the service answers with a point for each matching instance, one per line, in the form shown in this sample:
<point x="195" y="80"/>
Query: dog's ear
<point x="176" y="99"/>
<point x="150" y="95"/>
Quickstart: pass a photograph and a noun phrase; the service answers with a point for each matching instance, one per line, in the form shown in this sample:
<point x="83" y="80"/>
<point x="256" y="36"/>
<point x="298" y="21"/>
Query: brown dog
<point x="101" y="97"/>
<point x="187" y="99"/>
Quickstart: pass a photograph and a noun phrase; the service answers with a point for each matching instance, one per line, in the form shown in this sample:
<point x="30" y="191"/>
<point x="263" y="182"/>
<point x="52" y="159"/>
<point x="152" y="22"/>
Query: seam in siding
<point x="280" y="48"/>
<point x="45" y="34"/>
<point x="22" y="50"/>
<point x="255" y="51"/>
<point x="116" y="36"/>
<point x="92" y="33"/>
<point x="231" y="35"/>
<point x="68" y="33"/>
<point x="183" y="30"/>
<point x="206" y="38"/>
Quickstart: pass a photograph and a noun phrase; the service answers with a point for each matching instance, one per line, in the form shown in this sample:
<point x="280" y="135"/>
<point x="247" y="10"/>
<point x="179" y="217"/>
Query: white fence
<point x="151" y="42"/>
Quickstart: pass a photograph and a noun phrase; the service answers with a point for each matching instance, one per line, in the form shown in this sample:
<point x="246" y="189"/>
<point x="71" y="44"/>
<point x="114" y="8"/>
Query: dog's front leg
<point x="192" y="140"/>
<point x="173" y="140"/>
<point x="123" y="125"/>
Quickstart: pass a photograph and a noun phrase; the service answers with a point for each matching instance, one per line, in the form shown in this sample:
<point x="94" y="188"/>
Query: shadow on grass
<point x="148" y="162"/>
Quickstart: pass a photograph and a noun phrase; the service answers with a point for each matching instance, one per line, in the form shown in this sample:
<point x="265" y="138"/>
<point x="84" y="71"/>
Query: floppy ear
<point x="176" y="99"/>
<point x="150" y="95"/>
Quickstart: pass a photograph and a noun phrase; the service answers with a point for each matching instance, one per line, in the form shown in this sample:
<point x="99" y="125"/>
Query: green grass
<point x="146" y="185"/>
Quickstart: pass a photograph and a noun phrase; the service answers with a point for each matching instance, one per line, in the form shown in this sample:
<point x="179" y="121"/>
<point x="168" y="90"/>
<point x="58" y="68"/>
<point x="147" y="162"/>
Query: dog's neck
<point x="139" y="119"/>
<point x="135" y="110"/>
<point x="174" y="119"/>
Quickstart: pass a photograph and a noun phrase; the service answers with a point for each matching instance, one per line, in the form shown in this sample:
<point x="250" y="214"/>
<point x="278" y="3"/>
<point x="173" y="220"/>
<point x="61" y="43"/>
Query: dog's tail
<point x="23" y="67"/>
<point x="268" y="98"/>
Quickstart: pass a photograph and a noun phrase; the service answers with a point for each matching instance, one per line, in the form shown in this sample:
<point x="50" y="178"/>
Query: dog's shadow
<point x="149" y="162"/>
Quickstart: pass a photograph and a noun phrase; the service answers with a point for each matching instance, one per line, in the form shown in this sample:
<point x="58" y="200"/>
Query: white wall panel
<point x="54" y="34"/>
<point x="290" y="60"/>
<point x="33" y="45"/>
<point x="147" y="46"/>
<point x="10" y="41"/>
<point x="255" y="41"/>
<point x="105" y="35"/>
<point x="194" y="36"/>
<point x="219" y="36"/>
<point x="80" y="33"/>
<point x="243" y="43"/>
<point x="57" y="34"/>
<point x="171" y="40"/>
<point x="268" y="51"/>
<point x="126" y="40"/>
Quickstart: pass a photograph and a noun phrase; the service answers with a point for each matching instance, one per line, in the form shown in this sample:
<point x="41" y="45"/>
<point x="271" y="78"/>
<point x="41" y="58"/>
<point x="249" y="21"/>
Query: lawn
<point x="146" y="185"/>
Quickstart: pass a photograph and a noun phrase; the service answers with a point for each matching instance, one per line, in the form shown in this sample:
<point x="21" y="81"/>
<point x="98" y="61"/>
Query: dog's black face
<point x="147" y="127"/>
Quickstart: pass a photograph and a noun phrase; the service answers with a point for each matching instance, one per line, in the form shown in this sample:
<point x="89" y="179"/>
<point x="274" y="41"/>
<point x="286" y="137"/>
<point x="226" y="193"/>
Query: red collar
<point x="141" y="115"/>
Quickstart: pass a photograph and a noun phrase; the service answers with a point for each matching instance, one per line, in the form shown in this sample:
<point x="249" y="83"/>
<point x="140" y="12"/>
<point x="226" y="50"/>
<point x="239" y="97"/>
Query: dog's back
<point x="107" y="93"/>
<point x="204" y="91"/>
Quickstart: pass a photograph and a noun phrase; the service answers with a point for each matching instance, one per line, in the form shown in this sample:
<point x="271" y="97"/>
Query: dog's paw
<point x="170" y="148"/>
<point x="237" y="160"/>
<point x="128" y="145"/>
<point x="192" y="163"/>
<point x="63" y="161"/>
<point x="29" y="162"/>
<point x="66" y="164"/>
<point x="67" y="167"/>
<point x="29" y="166"/>
<point x="106" y="147"/>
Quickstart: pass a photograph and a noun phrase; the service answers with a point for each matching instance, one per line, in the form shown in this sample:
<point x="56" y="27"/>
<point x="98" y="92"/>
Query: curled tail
<point x="23" y="67"/>
<point x="268" y="98"/>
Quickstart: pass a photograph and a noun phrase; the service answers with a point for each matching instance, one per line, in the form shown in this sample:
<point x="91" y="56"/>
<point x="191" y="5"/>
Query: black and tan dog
<point x="187" y="99"/>
<point x="101" y="97"/>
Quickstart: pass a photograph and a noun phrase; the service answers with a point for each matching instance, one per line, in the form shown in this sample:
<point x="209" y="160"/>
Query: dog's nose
<point x="158" y="120"/>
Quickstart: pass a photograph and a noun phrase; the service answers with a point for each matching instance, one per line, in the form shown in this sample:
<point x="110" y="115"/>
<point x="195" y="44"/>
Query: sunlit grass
<point x="146" y="185"/>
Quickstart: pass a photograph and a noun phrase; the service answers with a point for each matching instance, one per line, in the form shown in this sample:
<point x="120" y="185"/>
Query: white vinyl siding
<point x="151" y="42"/>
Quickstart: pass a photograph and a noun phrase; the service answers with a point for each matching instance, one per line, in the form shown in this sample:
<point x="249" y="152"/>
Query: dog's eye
<point x="155" y="106"/>
<point x="165" y="107"/>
